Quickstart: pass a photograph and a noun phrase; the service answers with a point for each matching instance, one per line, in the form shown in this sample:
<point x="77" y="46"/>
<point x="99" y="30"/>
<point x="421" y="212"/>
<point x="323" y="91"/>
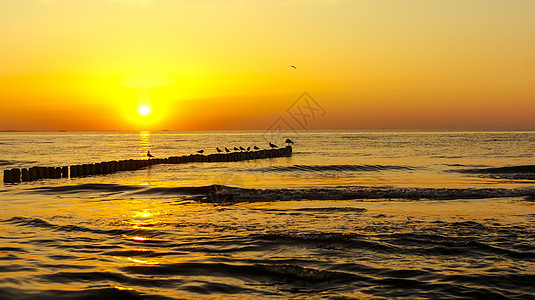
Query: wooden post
<point x="57" y="172"/>
<point x="15" y="175"/>
<point x="8" y="176"/>
<point x="25" y="175"/>
<point x="64" y="172"/>
<point x="33" y="173"/>
<point x="46" y="172"/>
<point x="74" y="171"/>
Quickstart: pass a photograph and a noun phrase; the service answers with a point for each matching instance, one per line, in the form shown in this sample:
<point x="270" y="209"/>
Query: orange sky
<point x="215" y="64"/>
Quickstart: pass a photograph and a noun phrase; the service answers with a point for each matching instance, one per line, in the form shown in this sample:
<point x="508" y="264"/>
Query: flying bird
<point x="273" y="145"/>
<point x="218" y="150"/>
<point x="201" y="151"/>
<point x="292" y="66"/>
<point x="149" y="155"/>
<point x="256" y="148"/>
<point x="227" y="150"/>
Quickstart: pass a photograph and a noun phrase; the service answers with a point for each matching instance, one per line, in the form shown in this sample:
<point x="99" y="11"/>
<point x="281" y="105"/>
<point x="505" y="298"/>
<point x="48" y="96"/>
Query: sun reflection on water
<point x="136" y="238"/>
<point x="140" y="261"/>
<point x="145" y="143"/>
<point x="122" y="288"/>
<point x="143" y="214"/>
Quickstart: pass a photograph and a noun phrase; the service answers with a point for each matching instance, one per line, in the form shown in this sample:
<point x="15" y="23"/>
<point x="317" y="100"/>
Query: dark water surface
<point x="351" y="215"/>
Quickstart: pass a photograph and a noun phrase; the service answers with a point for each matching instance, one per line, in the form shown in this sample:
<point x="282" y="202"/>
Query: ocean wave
<point x="259" y="271"/>
<point x="338" y="168"/>
<point x="466" y="245"/>
<point x="435" y="244"/>
<point x="40" y="223"/>
<point x="104" y="188"/>
<point x="460" y="259"/>
<point x="5" y="162"/>
<point x="332" y="209"/>
<point x="296" y="272"/>
<point x="82" y="188"/>
<point x="524" y="169"/>
<point x="328" y="240"/>
<point x="526" y="172"/>
<point x="88" y="293"/>
<point x="229" y="194"/>
<point x="224" y="194"/>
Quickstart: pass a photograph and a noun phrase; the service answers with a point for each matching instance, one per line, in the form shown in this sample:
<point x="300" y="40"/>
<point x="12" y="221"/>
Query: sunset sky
<point x="216" y="64"/>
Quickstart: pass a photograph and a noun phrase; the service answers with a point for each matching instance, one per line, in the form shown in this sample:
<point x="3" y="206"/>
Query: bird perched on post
<point x="242" y="149"/>
<point x="273" y="145"/>
<point x="149" y="155"/>
<point x="256" y="148"/>
<point x="236" y="149"/>
<point x="227" y="150"/>
<point x="288" y="141"/>
<point x="248" y="148"/>
<point x="218" y="150"/>
<point x="201" y="151"/>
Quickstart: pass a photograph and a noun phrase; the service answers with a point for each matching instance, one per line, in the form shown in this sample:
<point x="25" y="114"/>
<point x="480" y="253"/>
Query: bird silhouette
<point x="288" y="141"/>
<point x="236" y="149"/>
<point x="218" y="150"/>
<point x="273" y="145"/>
<point x="292" y="66"/>
<point x="227" y="150"/>
<point x="256" y="148"/>
<point x="201" y="151"/>
<point x="242" y="149"/>
<point x="149" y="155"/>
<point x="248" y="148"/>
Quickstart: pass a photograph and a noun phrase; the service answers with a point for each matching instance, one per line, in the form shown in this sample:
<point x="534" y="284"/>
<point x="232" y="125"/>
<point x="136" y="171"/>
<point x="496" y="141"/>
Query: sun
<point x="144" y="110"/>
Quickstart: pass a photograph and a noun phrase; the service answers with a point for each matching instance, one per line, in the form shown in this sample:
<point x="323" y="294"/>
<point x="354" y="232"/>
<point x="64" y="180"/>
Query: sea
<point x="352" y="214"/>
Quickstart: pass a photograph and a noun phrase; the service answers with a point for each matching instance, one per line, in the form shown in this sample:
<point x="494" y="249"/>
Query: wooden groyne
<point x="110" y="167"/>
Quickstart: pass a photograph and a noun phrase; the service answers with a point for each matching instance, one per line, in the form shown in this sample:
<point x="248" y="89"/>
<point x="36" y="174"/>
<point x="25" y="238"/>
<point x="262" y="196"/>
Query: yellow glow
<point x="144" y="110"/>
<point x="135" y="260"/>
<point x="371" y="64"/>
<point x="144" y="214"/>
<point x="122" y="288"/>
<point x="136" y="238"/>
<point x="140" y="261"/>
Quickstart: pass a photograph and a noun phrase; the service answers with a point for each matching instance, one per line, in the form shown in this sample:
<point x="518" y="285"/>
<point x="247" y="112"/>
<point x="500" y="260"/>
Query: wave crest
<point x="338" y="168"/>
<point x="511" y="172"/>
<point x="229" y="194"/>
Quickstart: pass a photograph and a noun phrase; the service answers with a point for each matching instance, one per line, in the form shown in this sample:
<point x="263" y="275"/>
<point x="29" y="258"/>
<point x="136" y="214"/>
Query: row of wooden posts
<point x="110" y="167"/>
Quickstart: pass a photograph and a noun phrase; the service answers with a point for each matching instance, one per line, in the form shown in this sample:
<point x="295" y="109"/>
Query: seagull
<point x="256" y="148"/>
<point x="218" y="150"/>
<point x="242" y="149"/>
<point x="201" y="151"/>
<point x="288" y="141"/>
<point x="236" y="149"/>
<point x="149" y="155"/>
<point x="227" y="150"/>
<point x="272" y="145"/>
